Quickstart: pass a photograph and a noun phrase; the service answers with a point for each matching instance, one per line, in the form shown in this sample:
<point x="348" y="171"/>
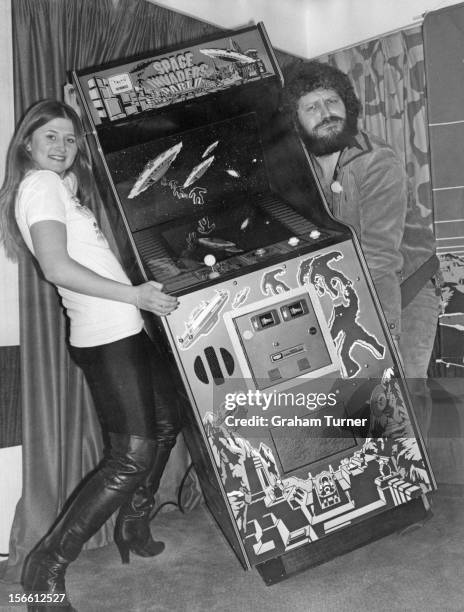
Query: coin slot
<point x="265" y="320"/>
<point x="294" y="310"/>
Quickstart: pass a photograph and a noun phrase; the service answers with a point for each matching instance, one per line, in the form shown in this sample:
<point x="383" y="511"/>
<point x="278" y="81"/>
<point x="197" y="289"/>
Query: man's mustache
<point x="328" y="121"/>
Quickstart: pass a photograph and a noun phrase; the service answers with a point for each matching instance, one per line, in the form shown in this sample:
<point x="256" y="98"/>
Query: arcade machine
<point x="298" y="420"/>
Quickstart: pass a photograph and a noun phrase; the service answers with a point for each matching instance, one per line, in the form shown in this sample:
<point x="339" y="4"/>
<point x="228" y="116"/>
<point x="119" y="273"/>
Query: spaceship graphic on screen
<point x="154" y="170"/>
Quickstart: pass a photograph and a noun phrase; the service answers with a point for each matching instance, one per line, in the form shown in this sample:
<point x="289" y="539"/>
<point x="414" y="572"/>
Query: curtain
<point x="61" y="436"/>
<point x="389" y="78"/>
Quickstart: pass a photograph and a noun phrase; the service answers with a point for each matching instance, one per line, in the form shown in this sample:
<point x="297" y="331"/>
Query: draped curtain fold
<point x="389" y="78"/>
<point x="61" y="436"/>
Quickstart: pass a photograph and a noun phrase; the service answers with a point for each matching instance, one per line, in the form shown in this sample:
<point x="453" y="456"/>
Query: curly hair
<point x="308" y="76"/>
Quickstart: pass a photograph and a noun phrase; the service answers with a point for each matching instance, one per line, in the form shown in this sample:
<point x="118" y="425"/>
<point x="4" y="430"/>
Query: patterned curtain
<point x="389" y="78"/>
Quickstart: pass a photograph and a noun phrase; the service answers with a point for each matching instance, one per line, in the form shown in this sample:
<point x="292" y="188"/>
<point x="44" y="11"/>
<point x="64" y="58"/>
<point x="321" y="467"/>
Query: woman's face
<point x="53" y="145"/>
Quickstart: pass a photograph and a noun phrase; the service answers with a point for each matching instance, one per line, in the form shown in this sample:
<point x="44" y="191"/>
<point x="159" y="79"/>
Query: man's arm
<point x="383" y="203"/>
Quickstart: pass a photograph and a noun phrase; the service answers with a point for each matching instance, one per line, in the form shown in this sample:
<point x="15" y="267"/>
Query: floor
<point x="420" y="570"/>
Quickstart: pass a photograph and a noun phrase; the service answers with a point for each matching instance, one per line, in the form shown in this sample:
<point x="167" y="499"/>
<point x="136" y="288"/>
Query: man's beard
<point x="331" y="142"/>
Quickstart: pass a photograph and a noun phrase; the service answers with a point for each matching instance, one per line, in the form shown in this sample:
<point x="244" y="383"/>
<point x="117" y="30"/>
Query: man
<point x="365" y="185"/>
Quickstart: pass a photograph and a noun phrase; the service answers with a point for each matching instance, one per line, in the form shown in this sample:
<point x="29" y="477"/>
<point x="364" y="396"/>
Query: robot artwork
<point x="345" y="326"/>
<point x="277" y="513"/>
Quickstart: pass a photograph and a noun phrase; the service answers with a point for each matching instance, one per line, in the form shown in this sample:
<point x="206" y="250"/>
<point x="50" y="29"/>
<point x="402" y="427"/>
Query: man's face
<point x="322" y="117"/>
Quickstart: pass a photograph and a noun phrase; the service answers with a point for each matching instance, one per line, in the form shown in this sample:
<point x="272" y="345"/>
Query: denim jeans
<point x="418" y="328"/>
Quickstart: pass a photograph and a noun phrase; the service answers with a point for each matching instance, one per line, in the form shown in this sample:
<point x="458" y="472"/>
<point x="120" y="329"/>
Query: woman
<point x="43" y="203"/>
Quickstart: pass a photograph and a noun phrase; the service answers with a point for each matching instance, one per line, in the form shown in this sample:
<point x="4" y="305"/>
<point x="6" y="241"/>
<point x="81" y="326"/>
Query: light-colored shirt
<point x="44" y="196"/>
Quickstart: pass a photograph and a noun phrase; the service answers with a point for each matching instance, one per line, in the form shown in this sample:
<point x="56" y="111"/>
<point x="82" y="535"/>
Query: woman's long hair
<point x="19" y="162"/>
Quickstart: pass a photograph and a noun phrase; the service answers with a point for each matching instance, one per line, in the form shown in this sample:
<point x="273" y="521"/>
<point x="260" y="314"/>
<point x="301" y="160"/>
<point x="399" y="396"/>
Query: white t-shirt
<point x="44" y="196"/>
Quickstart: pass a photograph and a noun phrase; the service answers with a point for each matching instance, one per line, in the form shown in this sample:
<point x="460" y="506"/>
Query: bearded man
<point x="365" y="186"/>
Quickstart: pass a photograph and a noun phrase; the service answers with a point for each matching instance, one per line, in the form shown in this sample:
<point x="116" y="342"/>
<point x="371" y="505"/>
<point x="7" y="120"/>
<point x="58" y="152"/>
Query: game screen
<point x="182" y="175"/>
<point x="223" y="233"/>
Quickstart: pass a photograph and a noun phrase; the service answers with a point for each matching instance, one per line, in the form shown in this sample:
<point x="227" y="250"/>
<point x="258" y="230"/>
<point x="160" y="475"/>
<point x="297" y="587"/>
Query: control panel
<point x="281" y="338"/>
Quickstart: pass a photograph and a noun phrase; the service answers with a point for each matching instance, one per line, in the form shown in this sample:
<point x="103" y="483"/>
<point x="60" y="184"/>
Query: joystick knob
<point x="210" y="260"/>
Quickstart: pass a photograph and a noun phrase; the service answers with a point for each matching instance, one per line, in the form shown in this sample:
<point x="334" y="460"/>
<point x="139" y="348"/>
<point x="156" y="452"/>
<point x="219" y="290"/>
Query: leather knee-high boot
<point x="132" y="530"/>
<point x="127" y="465"/>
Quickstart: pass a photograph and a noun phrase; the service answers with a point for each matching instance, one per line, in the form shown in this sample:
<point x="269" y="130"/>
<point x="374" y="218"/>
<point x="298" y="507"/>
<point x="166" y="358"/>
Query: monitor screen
<point x="224" y="233"/>
<point x="181" y="175"/>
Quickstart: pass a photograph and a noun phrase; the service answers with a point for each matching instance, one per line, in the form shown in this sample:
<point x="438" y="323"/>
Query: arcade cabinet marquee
<point x="299" y="422"/>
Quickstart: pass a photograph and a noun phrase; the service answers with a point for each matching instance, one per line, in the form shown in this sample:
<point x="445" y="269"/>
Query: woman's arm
<point x="49" y="241"/>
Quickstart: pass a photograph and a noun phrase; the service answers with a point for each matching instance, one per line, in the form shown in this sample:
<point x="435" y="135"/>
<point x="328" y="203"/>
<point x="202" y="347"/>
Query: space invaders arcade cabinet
<point x="299" y="423"/>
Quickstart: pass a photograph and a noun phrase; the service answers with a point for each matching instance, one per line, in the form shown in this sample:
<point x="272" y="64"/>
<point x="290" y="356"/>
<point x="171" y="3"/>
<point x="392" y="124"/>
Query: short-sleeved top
<point x="44" y="196"/>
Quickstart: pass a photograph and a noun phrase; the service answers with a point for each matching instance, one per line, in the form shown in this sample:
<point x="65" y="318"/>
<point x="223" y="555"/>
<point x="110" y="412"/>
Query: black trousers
<point x="132" y="387"/>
